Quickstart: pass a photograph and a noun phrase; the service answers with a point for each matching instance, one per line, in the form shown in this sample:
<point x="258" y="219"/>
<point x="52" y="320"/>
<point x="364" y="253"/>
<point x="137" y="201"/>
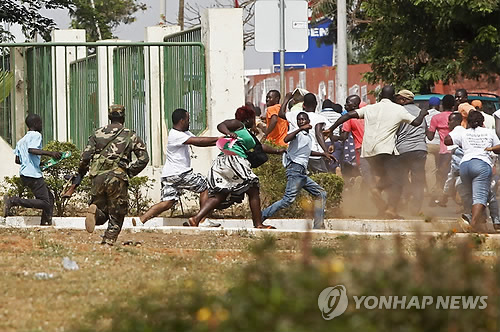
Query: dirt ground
<point x="29" y="302"/>
<point x="59" y="299"/>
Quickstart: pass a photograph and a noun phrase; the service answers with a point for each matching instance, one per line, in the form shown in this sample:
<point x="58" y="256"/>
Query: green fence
<point x="185" y="79"/>
<point x="78" y="81"/>
<point x="38" y="76"/>
<point x="129" y="87"/>
<point x="185" y="36"/>
<point x="83" y="100"/>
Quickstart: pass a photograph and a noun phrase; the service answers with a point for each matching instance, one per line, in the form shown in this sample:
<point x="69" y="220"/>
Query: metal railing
<point x="130" y="86"/>
<point x="39" y="87"/>
<point x="185" y="83"/>
<point x="83" y="99"/>
<point x="185" y="36"/>
<point x="185" y="79"/>
<point x="71" y="85"/>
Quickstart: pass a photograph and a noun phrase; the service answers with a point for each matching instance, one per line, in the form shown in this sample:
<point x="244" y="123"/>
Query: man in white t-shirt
<point x="496" y="117"/>
<point x="177" y="174"/>
<point x="317" y="121"/>
<point x="382" y="121"/>
<point x="489" y="120"/>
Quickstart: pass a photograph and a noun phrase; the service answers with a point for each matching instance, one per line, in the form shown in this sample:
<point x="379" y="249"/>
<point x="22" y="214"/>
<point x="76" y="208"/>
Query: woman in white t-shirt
<point x="477" y="165"/>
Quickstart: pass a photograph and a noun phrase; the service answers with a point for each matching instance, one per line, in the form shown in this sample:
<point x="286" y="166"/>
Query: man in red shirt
<point x="354" y="126"/>
<point x="357" y="128"/>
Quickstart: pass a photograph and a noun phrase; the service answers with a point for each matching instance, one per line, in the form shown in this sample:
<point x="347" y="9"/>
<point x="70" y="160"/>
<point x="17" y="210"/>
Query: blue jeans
<point x="476" y="179"/>
<point x="297" y="179"/>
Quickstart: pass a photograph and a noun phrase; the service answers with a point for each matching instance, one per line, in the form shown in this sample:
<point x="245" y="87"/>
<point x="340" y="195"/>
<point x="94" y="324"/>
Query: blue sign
<point x="316" y="56"/>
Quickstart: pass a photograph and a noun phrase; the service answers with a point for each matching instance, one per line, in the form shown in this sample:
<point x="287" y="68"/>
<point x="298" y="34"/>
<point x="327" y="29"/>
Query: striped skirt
<point x="231" y="174"/>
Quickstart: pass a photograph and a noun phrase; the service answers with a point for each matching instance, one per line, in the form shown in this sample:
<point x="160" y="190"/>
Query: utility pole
<point x="163" y="11"/>
<point x="282" y="48"/>
<point x="180" y="19"/>
<point x="341" y="48"/>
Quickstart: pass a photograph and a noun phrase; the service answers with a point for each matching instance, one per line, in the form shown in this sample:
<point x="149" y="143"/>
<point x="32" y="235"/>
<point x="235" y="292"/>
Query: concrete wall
<point x="481" y="85"/>
<point x="8" y="167"/>
<point x="320" y="81"/>
<point x="222" y="35"/>
<point x="158" y="124"/>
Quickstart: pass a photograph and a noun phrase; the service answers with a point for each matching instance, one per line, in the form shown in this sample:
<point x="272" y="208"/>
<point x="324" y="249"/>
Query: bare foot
<point x="265" y="227"/>
<point x="190" y="223"/>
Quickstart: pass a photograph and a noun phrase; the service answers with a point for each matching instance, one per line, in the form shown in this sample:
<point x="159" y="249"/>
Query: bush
<point x="12" y="186"/>
<point x="138" y="188"/>
<point x="272" y="178"/>
<point x="54" y="177"/>
<point x="272" y="294"/>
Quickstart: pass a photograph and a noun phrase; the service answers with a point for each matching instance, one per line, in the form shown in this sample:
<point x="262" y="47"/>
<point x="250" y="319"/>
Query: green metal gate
<point x="39" y="87"/>
<point x="150" y="79"/>
<point x="185" y="79"/>
<point x="129" y="87"/>
<point x="83" y="100"/>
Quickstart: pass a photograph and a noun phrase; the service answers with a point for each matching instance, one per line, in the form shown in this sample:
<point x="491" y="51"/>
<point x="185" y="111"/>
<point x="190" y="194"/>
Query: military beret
<point x="120" y="109"/>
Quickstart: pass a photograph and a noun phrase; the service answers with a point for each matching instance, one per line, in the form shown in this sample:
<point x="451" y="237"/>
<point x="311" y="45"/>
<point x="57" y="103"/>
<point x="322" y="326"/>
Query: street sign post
<point x="281" y="26"/>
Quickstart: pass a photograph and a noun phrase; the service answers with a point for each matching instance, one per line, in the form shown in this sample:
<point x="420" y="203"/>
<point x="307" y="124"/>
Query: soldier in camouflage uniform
<point x="109" y="156"/>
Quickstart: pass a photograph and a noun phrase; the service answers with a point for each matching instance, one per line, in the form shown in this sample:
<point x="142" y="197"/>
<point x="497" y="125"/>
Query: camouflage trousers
<point x="110" y="194"/>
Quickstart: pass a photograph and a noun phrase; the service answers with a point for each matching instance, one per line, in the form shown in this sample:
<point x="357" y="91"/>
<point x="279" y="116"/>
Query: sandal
<point x="189" y="223"/>
<point x="265" y="227"/>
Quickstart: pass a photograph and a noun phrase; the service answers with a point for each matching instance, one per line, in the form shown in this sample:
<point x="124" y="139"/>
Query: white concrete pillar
<point x="105" y="78"/>
<point x="61" y="59"/>
<point x="155" y="102"/>
<point x="19" y="101"/>
<point x="222" y="35"/>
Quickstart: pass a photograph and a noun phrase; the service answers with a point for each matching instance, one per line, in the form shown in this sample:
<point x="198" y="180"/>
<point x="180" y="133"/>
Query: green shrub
<point x="138" y="188"/>
<point x="54" y="176"/>
<point x="272" y="294"/>
<point x="12" y="186"/>
<point x="333" y="185"/>
<point x="272" y="179"/>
